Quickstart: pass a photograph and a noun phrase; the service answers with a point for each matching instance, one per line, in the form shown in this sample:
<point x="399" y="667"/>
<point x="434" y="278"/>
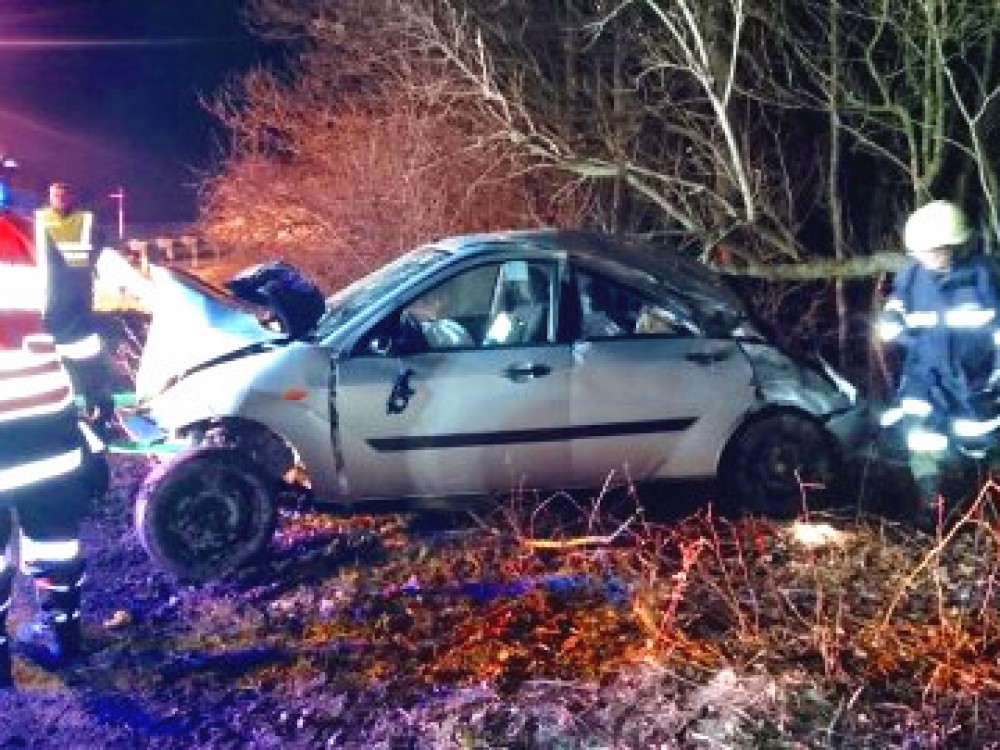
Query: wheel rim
<point x="209" y="518"/>
<point x="784" y="458"/>
<point x="783" y="467"/>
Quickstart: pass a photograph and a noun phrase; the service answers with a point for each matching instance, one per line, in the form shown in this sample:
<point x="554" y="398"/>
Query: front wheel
<point x="778" y="464"/>
<point x="205" y="513"/>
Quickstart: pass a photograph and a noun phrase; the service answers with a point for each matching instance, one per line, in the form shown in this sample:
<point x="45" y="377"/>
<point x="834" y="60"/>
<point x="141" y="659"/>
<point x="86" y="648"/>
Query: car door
<point x="475" y="401"/>
<point x="659" y="399"/>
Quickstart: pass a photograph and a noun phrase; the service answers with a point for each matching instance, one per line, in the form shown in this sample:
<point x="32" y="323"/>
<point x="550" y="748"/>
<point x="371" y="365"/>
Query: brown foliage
<point x="360" y="187"/>
<point x="355" y="158"/>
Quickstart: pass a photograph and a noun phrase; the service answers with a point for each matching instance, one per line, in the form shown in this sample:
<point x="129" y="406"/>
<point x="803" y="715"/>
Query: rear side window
<point x="609" y="309"/>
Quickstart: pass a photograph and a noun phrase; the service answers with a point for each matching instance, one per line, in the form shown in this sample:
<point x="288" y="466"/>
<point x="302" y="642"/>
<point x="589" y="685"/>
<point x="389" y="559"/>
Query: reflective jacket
<point x="40" y="438"/>
<point x="67" y="243"/>
<point x="72" y="235"/>
<point x="949" y="325"/>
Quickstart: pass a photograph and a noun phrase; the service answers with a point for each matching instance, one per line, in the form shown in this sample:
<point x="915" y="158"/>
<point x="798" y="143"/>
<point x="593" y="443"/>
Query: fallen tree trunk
<point x="857" y="267"/>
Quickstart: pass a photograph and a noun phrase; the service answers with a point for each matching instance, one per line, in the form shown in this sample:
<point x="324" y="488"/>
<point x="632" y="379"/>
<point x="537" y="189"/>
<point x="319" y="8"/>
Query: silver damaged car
<point x="471" y="367"/>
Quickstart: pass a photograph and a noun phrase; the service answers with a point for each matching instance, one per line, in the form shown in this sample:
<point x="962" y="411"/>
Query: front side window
<point x="455" y="314"/>
<point x="609" y="309"/>
<point x="490" y="305"/>
<point x="499" y="304"/>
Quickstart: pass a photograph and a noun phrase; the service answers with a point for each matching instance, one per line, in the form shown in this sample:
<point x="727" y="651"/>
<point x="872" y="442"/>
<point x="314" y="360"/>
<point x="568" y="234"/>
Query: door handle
<point x="707" y="358"/>
<point x="527" y="371"/>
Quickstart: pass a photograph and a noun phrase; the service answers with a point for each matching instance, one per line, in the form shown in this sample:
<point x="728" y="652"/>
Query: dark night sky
<point x="106" y="92"/>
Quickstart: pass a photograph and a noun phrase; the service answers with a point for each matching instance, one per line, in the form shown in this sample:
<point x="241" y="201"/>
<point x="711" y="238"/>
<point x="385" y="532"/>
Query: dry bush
<point x="362" y="185"/>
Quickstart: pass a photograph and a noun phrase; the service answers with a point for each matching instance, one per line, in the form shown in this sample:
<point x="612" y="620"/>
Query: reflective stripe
<point x="21" y="287"/>
<point x="889" y="330"/>
<point x="968" y="318"/>
<point x="63" y="617"/>
<point x="890" y="416"/>
<point x="49" y="586"/>
<point x="4" y="606"/>
<point x="974" y="428"/>
<point x="916" y="407"/>
<point x="36" y="471"/>
<point x="63" y="550"/>
<point x="922" y="319"/>
<point x="922" y="440"/>
<point x="33" y="381"/>
<point x="95" y="444"/>
<point x="895" y="305"/>
<point x="75" y="253"/>
<point x="996" y="338"/>
<point x="88" y="346"/>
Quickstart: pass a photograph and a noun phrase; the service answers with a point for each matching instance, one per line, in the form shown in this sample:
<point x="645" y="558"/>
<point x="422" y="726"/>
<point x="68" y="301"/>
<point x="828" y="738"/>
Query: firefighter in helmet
<point x="943" y="311"/>
<point x="51" y="466"/>
<point x="68" y="236"/>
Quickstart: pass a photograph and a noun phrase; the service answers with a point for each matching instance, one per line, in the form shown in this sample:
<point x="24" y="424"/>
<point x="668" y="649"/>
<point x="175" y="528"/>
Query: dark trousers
<point x="50" y="511"/>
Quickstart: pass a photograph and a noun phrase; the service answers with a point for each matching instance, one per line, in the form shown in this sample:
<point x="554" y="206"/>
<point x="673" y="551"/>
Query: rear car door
<point x="478" y="397"/>
<point x="657" y="397"/>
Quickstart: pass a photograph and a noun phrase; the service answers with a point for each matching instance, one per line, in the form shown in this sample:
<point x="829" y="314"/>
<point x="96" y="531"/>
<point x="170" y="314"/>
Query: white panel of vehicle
<point x="188" y="328"/>
<point x="471" y="425"/>
<point x="665" y="406"/>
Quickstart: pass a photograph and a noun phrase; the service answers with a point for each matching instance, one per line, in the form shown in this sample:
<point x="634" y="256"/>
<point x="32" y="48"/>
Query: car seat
<point x="524" y="310"/>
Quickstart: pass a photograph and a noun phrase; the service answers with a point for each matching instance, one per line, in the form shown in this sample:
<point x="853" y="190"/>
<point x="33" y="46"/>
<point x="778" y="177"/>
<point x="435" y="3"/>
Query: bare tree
<point x="341" y="166"/>
<point x="671" y="121"/>
<point x="915" y="84"/>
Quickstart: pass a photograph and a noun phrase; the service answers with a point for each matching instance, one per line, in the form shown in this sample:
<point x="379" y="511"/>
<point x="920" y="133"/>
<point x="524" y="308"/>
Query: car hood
<point x="192" y="323"/>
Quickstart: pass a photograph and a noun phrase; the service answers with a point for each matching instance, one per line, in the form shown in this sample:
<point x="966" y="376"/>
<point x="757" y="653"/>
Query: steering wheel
<point x="410" y="337"/>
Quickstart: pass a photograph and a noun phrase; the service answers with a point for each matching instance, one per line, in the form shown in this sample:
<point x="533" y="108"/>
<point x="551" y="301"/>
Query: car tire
<point x="776" y="463"/>
<point x="206" y="513"/>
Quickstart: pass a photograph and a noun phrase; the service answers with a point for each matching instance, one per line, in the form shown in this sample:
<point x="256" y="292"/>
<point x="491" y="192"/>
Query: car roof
<point x="652" y="265"/>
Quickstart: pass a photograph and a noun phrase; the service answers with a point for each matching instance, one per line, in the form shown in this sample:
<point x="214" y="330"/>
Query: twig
<point x="934" y="553"/>
<point x="579" y="541"/>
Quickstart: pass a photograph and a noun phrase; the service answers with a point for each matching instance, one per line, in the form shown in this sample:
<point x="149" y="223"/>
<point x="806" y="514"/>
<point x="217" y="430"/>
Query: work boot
<point x="54" y="638"/>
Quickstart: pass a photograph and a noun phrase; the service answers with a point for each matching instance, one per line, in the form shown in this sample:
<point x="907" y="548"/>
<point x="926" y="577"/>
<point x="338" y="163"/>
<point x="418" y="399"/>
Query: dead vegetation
<point x="553" y="622"/>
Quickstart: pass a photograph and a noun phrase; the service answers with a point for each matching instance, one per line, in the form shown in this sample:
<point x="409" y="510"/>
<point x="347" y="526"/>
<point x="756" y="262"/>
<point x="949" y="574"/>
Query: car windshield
<point x="358" y="295"/>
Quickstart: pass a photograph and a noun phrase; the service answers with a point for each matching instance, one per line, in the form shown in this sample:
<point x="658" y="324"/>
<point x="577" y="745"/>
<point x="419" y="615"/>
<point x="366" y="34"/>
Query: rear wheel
<point x="206" y="513"/>
<point x="777" y="463"/>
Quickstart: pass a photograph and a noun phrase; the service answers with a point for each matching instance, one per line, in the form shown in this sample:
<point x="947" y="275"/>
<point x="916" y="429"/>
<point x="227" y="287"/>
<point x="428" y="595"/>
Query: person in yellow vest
<point x="69" y="237"/>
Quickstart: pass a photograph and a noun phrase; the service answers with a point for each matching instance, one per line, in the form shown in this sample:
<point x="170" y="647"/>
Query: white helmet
<point x="939" y="224"/>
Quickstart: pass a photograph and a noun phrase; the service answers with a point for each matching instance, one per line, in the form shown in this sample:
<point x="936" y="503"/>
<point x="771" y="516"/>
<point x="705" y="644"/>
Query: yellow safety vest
<point x="71" y="233"/>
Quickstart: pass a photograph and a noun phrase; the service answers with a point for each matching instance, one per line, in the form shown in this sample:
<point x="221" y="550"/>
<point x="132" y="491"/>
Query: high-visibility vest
<point x="39" y="438"/>
<point x="71" y="233"/>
